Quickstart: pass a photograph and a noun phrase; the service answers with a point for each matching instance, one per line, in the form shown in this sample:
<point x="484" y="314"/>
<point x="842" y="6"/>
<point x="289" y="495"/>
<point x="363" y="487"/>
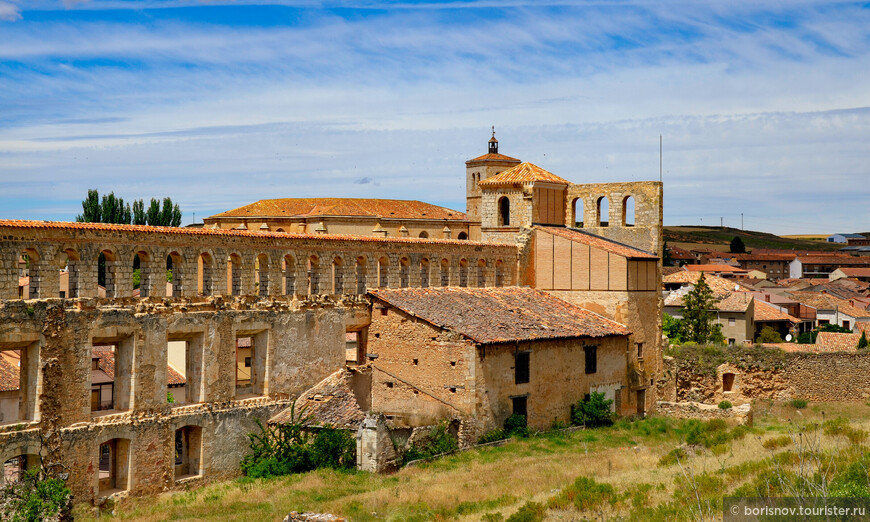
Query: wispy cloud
<point x="9" y="12"/>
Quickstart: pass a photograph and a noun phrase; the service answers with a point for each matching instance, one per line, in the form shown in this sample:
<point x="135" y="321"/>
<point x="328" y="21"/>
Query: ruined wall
<point x="299" y="343"/>
<point x="222" y="262"/>
<point x="809" y="376"/>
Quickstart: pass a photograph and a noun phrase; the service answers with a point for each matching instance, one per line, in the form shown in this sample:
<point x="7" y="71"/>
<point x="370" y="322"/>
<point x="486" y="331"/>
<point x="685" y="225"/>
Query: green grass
<point x="718" y="238"/>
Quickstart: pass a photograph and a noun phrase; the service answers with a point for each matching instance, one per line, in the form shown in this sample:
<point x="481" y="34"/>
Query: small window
<point x="591" y="358"/>
<point x="732" y="341"/>
<point x="639" y="350"/>
<point x="520" y="406"/>
<point x="452" y="363"/>
<point x="416" y="362"/>
<point x="389" y="385"/>
<point x="522" y="368"/>
<point x="247" y="362"/>
<point x="847" y="325"/>
<point x="384" y="311"/>
<point x="732" y="321"/>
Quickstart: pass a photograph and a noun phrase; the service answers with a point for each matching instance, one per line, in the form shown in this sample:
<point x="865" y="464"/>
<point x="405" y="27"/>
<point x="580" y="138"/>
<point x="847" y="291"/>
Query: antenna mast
<point x="660" y="157"/>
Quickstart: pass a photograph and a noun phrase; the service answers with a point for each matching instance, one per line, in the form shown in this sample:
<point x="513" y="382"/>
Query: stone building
<point x="253" y="316"/>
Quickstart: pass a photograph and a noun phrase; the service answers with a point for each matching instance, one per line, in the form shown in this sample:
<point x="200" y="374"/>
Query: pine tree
<point x="863" y="342"/>
<point x="667" y="260"/>
<point x="153" y="213"/>
<point x="697" y="312"/>
<point x="91" y="209"/>
<point x="139" y="213"/>
<point x="737" y="246"/>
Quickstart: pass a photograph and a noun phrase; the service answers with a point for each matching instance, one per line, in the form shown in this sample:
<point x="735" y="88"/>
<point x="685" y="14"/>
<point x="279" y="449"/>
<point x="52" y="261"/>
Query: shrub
<point x="592" y="411"/>
<point x="492" y="436"/>
<point x="798" y="404"/>
<point x="438" y="442"/>
<point x="529" y="512"/>
<point x="672" y="457"/>
<point x="863" y="342"/>
<point x="584" y="494"/>
<point x="492" y="517"/>
<point x="516" y="426"/>
<point x="725" y="405"/>
<point x="35" y="497"/>
<point x="768" y="335"/>
<point x="777" y="442"/>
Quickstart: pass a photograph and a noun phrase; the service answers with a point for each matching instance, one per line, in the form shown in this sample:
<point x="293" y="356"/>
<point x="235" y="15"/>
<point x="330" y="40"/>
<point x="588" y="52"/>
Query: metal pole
<point x="660" y="157"/>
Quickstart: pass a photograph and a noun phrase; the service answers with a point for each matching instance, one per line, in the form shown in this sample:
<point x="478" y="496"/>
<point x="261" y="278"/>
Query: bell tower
<point x="477" y="170"/>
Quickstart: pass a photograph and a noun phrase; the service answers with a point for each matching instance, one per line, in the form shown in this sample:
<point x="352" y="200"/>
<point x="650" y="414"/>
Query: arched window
<point x="262" y="275"/>
<point x="463" y="273"/>
<point x="361" y="282"/>
<point x="628" y="211"/>
<point x="114" y="466"/>
<point x="13" y="469"/>
<point x="577" y="213"/>
<point x="603" y="211"/>
<point x="504" y="212"/>
<point x="337" y="277"/>
<point x="289" y="275"/>
<point x="383" y="272"/>
<point x="404" y="272"/>
<point x="424" y="273"/>
<point x="462" y="235"/>
<point x="445" y="272"/>
<point x="481" y="273"/>
<point x="28" y="268"/>
<point x="424" y="234"/>
<point x="142" y="276"/>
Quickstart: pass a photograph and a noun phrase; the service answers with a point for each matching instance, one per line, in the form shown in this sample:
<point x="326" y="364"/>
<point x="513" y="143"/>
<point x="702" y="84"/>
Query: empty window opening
<point x="205" y="277"/>
<point x="113" y="467"/>
<point x="383" y="272"/>
<point x="463" y="273"/>
<point x="628" y="211"/>
<point x="462" y="236"/>
<point x="445" y="272"/>
<point x="174" y="275"/>
<point x="404" y="272"/>
<point x="19" y="387"/>
<point x="337" y="276"/>
<point x="727" y="382"/>
<point x="234" y="274"/>
<point x="69" y="276"/>
<point x="504" y="212"/>
<point x="184" y="368"/>
<point x="521" y="368"/>
<point x="28" y="274"/>
<point x="313" y="275"/>
<point x="416" y="362"/>
<point x="251" y="364"/>
<point x="261" y="266"/>
<point x="107" y="270"/>
<point x="519" y="406"/>
<point x="14" y="468"/>
<point x="355" y="346"/>
<point x="591" y="353"/>
<point x="603" y="211"/>
<point x="289" y="269"/>
<point x="577" y="213"/>
<point x="142" y="274"/>
<point x="385" y="310"/>
<point x="389" y="385"/>
<point x="424" y="234"/>
<point x="847" y="325"/>
<point x="188" y="452"/>
<point x="639" y="350"/>
<point x="361" y="282"/>
<point x="424" y="273"/>
<point x="641" y="402"/>
<point x="481" y="273"/>
<point x="111" y="370"/>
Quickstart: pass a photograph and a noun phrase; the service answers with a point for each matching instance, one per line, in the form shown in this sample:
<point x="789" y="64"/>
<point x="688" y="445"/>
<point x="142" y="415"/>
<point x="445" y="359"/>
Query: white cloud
<point x="9" y="12"/>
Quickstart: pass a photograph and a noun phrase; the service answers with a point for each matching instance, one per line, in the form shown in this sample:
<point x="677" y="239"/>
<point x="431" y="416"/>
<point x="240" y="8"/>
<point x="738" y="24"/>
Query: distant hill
<point x="719" y="238"/>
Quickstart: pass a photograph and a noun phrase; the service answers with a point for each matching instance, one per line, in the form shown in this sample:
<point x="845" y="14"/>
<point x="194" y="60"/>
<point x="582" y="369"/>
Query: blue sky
<point x="764" y="107"/>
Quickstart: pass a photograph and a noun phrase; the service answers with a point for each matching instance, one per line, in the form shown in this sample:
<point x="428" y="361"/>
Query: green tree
<point x="737" y="246"/>
<point x="768" y="335"/>
<point x="697" y="313"/>
<point x="672" y="328"/>
<point x="667" y="260"/>
<point x="862" y="342"/>
<point x="91" y="209"/>
<point x="139" y="213"/>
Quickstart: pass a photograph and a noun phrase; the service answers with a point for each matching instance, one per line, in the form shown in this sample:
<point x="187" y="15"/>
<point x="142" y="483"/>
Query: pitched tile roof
<point x="498" y="315"/>
<point x="829" y="302"/>
<point x="522" y="173"/>
<point x="715" y="268"/>
<point x="765" y="257"/>
<point x="108" y="227"/>
<point x="599" y="242"/>
<point x="315" y="207"/>
<point x="9" y="370"/>
<point x="855" y="272"/>
<point x="837" y="342"/>
<point x="720" y="286"/>
<point x="668" y="270"/>
<point x="768" y="313"/>
<point x="493" y="157"/>
<point x="736" y="302"/>
<point x="833" y="259"/>
<point x="330" y="402"/>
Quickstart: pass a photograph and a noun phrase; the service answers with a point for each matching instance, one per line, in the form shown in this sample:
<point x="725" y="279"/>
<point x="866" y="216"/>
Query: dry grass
<point x="501" y="479"/>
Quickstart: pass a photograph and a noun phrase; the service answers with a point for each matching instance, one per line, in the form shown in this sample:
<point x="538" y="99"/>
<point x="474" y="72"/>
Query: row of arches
<point x="143" y="274"/>
<point x="602" y="214"/>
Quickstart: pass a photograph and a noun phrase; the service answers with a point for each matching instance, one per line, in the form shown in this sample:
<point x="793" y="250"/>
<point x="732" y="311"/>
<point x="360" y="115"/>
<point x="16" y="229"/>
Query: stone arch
<point x="628" y="211"/>
<point x="463" y="272"/>
<point x="289" y="268"/>
<point x="602" y="211"/>
<point x="404" y="272"/>
<point x="70" y="261"/>
<point x="261" y="268"/>
<point x="361" y="274"/>
<point x="499" y="273"/>
<point x="187" y="451"/>
<point x="577" y="213"/>
<point x="142" y="264"/>
<point x="424" y="234"/>
<point x="175" y="266"/>
<point x="234" y="274"/>
<point x="107" y="272"/>
<point x="337" y="275"/>
<point x="384" y="272"/>
<point x="113" y="466"/>
<point x="504" y="211"/>
<point x="463" y="236"/>
<point x="29" y="261"/>
<point x="14" y="464"/>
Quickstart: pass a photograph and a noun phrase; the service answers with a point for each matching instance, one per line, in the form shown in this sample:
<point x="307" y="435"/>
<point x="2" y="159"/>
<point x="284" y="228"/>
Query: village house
<point x="821" y="266"/>
<point x="776" y="266"/>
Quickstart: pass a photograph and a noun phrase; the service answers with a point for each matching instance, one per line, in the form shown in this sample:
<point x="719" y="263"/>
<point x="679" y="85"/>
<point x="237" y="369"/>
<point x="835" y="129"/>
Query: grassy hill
<point x="719" y="238"/>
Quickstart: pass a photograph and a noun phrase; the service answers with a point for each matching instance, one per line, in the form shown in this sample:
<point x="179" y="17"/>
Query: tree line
<point x="112" y="209"/>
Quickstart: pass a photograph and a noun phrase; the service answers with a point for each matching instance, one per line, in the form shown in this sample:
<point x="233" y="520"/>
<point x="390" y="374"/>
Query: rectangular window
<point x="639" y="350"/>
<point x="732" y="321"/>
<point x="520" y="406"/>
<point x="847" y="325"/>
<point x="732" y="341"/>
<point x="251" y="362"/>
<point x="521" y="367"/>
<point x="591" y="358"/>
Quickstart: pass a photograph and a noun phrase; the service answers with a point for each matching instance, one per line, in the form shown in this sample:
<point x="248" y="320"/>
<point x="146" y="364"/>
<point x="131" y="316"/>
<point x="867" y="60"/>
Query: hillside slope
<point x="719" y="238"/>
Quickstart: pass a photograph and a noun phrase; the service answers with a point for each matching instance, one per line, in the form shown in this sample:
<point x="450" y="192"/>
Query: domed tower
<point x="477" y="170"/>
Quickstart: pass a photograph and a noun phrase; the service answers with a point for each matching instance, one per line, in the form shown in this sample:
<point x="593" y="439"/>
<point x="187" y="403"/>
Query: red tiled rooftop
<point x="493" y="157"/>
<point x="769" y="313"/>
<point x="108" y="227"/>
<point x="829" y="302"/>
<point x="357" y="207"/>
<point x="830" y="259"/>
<point x="499" y="315"/>
<point x="9" y="370"/>
<point x="599" y="242"/>
<point x="523" y="173"/>
<point x="855" y="272"/>
<point x="837" y="342"/>
<point x="715" y="268"/>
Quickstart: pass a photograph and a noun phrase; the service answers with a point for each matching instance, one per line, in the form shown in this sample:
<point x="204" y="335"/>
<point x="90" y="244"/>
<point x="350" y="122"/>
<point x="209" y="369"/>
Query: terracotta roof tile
<point x="829" y="302"/>
<point x="837" y="342"/>
<point x="522" y="173"/>
<point x="498" y="315"/>
<point x="330" y="402"/>
<point x="715" y="268"/>
<point x="855" y="272"/>
<point x="9" y="370"/>
<point x="107" y="227"/>
<point x="720" y="286"/>
<point x="493" y="157"/>
<point x="314" y="207"/>
<point x="768" y="313"/>
<point x="599" y="242"/>
<point x="736" y="302"/>
<point x="834" y="260"/>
